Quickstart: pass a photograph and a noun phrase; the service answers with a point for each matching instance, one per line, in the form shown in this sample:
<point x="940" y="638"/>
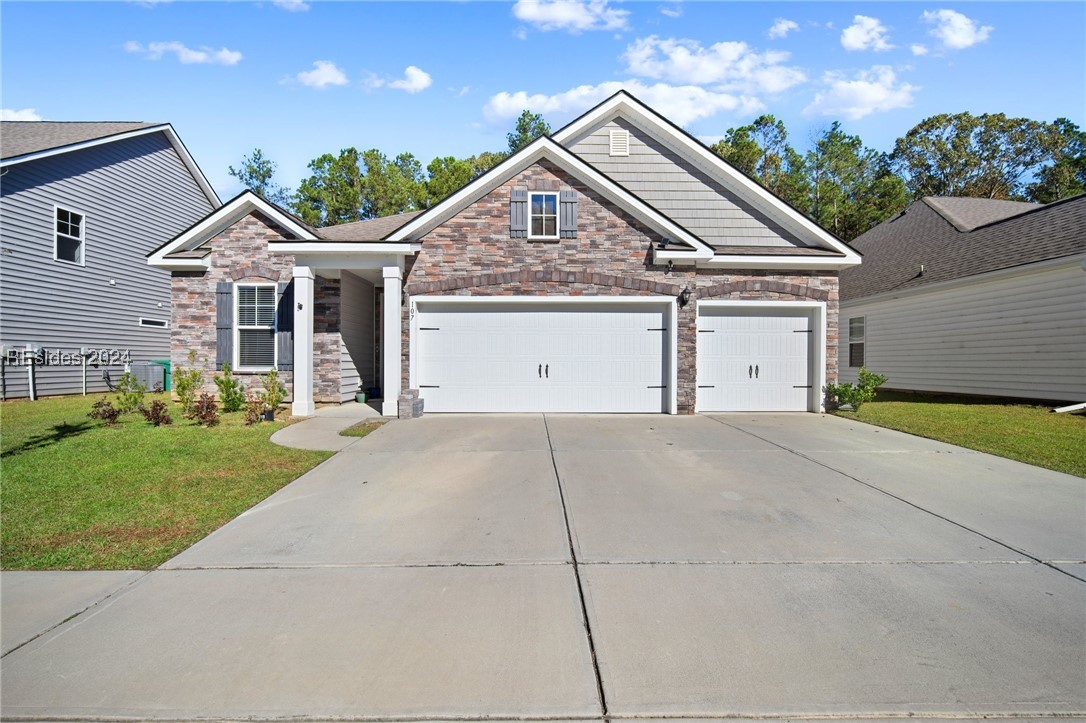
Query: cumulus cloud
<point x="186" y="55"/>
<point x="954" y="30"/>
<point x="865" y="33"/>
<point x="868" y="91"/>
<point x="414" y="80"/>
<point x="24" y="114"/>
<point x="918" y="49"/>
<point x="293" y="6"/>
<point x="682" y="104"/>
<point x="781" y="27"/>
<point x="731" y="66"/>
<point x="325" y="74"/>
<point x="574" y="16"/>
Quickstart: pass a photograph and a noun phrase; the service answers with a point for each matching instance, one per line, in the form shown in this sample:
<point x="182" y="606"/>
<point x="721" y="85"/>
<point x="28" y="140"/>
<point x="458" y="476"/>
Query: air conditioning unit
<point x="152" y="376"/>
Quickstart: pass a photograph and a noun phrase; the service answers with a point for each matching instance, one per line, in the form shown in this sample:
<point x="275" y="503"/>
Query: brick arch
<point x="748" y="286"/>
<point x="254" y="271"/>
<point x="545" y="276"/>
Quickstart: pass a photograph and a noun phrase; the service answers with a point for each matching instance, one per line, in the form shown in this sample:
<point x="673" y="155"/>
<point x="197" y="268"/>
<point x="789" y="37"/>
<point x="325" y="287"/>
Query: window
<point x="255" y="326"/>
<point x="856" y="341"/>
<point x="68" y="244"/>
<point x="544" y="215"/>
<point x="157" y="323"/>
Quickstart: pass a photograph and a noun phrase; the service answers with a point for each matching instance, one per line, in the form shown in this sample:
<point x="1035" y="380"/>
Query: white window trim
<point x="236" y="366"/>
<point x="154" y="323"/>
<point x="557" y="215"/>
<point x="82" y="236"/>
<point x="861" y="340"/>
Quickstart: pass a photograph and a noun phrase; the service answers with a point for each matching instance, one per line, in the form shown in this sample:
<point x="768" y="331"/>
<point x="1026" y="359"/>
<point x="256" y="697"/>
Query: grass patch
<point x="78" y="495"/>
<point x="363" y="428"/>
<point x="1024" y="432"/>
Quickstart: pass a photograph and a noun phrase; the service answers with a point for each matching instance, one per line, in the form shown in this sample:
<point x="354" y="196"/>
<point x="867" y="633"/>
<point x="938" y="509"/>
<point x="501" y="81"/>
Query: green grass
<point x="1024" y="432"/>
<point x="362" y="428"/>
<point x="78" y="495"/>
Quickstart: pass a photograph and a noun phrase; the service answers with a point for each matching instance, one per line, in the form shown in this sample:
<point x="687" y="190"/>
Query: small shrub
<point x="855" y="395"/>
<point x="130" y="393"/>
<point x="231" y="390"/>
<point x="274" y="391"/>
<point x="254" y="408"/>
<point x="186" y="383"/>
<point x="157" y="414"/>
<point x="206" y="411"/>
<point x="104" y="410"/>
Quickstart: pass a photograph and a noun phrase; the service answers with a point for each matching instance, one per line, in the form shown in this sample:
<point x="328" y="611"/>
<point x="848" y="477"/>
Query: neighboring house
<point x="971" y="296"/>
<point x="616" y="266"/>
<point x="81" y="204"/>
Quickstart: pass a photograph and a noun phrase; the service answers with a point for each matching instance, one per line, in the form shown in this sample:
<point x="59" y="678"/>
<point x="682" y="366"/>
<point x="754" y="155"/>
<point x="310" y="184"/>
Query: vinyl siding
<point x="677" y="188"/>
<point x="1019" y="335"/>
<point x="135" y="195"/>
<point x="356" y="328"/>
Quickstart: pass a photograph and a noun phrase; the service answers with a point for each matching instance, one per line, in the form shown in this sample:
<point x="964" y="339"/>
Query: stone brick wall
<point x="240" y="254"/>
<point x="472" y="254"/>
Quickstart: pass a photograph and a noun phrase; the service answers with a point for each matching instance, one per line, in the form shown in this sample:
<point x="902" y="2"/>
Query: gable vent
<point x="620" y="143"/>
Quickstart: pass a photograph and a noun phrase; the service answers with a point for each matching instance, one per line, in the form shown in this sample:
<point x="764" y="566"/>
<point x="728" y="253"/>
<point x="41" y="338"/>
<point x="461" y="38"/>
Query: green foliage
<point x="186" y="384"/>
<point x="255" y="173"/>
<point x="274" y="392"/>
<point x="529" y="127"/>
<point x="761" y="150"/>
<point x="158" y="413"/>
<point x="446" y="175"/>
<point x="333" y="193"/>
<point x="206" y="411"/>
<point x="391" y="186"/>
<point x="231" y="390"/>
<point x="483" y="162"/>
<point x="130" y="393"/>
<point x="855" y="395"/>
<point x="1066" y="176"/>
<point x="104" y="411"/>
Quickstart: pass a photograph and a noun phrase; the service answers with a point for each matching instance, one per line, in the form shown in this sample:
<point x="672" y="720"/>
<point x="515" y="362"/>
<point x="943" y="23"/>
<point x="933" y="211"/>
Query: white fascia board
<point x="194" y="168"/>
<point x="343" y="248"/>
<point x="780" y="262"/>
<point x="658" y="300"/>
<point x="184" y="264"/>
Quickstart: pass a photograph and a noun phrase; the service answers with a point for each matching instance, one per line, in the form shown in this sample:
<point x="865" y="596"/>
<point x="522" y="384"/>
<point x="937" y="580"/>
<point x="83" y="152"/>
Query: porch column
<point x="392" y="337"/>
<point x="303" y="342"/>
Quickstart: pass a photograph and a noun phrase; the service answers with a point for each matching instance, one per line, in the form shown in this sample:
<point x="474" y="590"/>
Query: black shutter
<point x="284" y="326"/>
<point x="567" y="215"/>
<point x="224" y="324"/>
<point x="518" y="213"/>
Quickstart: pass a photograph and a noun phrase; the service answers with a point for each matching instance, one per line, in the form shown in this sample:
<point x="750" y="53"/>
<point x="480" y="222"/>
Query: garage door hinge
<point x="429" y="328"/>
<point x="659" y="386"/>
<point x="802" y="331"/>
<point x="800" y="386"/>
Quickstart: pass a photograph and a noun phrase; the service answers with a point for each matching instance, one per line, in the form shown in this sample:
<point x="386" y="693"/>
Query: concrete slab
<point x="365" y="508"/>
<point x="322" y="431"/>
<point x="1078" y="569"/>
<point x="33" y="602"/>
<point x="1032" y="509"/>
<point x="462" y="432"/>
<point x="389" y="642"/>
<point x="745" y="506"/>
<point x="825" y="432"/>
<point x="347" y="410"/>
<point x="864" y="640"/>
<point x="603" y="432"/>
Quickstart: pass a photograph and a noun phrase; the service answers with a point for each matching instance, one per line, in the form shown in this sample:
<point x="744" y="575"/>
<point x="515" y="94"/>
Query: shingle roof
<point x="18" y="138"/>
<point x="373" y="229"/>
<point x="965" y="214"/>
<point x="895" y="249"/>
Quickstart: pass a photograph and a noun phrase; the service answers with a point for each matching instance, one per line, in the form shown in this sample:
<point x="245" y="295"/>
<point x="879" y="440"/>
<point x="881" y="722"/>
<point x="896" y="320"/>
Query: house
<point x="971" y="296"/>
<point x="616" y="266"/>
<point x="81" y="205"/>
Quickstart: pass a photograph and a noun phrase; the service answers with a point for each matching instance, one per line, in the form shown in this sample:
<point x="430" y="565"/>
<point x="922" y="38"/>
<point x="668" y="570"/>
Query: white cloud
<point x="682" y="104"/>
<point x="25" y="114"/>
<point x="781" y="27"/>
<point x="865" y="33"/>
<point x="461" y="91"/>
<point x="415" y="80"/>
<point x="325" y="73"/>
<point x="573" y="15"/>
<point x="919" y="49"/>
<point x="732" y="66"/>
<point x="186" y="55"/>
<point x="869" y="91"/>
<point x="954" y="30"/>
<point x="672" y="10"/>
<point x="293" y="6"/>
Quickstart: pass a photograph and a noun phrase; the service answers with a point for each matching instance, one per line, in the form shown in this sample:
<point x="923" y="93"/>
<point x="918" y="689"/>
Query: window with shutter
<point x="544" y="215"/>
<point x="255" y="326"/>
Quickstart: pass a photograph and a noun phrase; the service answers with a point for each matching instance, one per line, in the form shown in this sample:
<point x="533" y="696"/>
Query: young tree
<point x="255" y="173"/>
<point x="529" y="127"/>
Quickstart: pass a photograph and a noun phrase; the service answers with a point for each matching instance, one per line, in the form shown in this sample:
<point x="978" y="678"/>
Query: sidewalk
<point x="321" y="431"/>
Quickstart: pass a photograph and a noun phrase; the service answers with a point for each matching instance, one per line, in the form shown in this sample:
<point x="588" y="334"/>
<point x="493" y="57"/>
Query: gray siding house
<point x="971" y="296"/>
<point x="81" y="206"/>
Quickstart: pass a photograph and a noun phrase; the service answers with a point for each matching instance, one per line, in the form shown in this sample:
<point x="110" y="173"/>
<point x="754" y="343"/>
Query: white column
<point x="303" y="342"/>
<point x="392" y="336"/>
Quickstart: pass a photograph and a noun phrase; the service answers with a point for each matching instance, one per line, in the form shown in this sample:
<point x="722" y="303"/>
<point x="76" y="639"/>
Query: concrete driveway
<point x="781" y="566"/>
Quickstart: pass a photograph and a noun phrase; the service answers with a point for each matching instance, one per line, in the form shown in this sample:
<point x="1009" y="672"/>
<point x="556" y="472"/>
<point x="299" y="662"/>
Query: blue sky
<point x="299" y="79"/>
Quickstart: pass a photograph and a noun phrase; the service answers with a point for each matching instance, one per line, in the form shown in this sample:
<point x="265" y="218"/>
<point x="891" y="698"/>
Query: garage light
<point x="684" y="297"/>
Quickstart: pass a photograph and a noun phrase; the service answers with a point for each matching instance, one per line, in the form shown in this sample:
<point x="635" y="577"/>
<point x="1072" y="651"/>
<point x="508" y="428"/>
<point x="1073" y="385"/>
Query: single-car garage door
<point x="541" y="357"/>
<point x="754" y="359"/>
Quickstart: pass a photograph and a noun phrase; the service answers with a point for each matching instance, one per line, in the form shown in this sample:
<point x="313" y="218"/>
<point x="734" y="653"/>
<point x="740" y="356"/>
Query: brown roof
<point x="373" y="229"/>
<point x="18" y="138"/>
<point x="895" y="250"/>
<point x="966" y="214"/>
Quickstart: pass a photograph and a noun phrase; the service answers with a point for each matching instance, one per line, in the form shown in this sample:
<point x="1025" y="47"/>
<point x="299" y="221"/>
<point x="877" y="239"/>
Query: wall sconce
<point x="684" y="297"/>
<point x="670" y="265"/>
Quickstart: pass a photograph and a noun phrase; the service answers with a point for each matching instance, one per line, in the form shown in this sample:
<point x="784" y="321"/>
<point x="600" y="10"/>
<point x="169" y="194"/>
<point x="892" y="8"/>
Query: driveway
<point x="781" y="566"/>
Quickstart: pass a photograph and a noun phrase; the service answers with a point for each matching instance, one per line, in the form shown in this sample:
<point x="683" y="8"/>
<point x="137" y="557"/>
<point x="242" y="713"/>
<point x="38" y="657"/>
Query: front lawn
<point x="1025" y="432"/>
<point x="78" y="495"/>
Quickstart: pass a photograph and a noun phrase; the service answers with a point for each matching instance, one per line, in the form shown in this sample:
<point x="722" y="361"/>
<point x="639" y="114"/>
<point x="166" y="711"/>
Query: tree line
<point x="839" y="182"/>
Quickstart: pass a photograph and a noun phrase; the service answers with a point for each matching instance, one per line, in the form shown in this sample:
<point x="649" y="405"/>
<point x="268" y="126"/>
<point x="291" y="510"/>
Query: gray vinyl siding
<point x="356" y="328"/>
<point x="135" y="195"/>
<point x="1022" y="335"/>
<point x="677" y="188"/>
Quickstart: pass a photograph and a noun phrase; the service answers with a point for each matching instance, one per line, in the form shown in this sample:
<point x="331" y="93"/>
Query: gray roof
<point x="18" y="138"/>
<point x="373" y="229"/>
<point x="895" y="249"/>
<point x="966" y="214"/>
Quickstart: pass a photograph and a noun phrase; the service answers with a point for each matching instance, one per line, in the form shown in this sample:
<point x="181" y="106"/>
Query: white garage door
<point x="540" y="357"/>
<point x="754" y="359"/>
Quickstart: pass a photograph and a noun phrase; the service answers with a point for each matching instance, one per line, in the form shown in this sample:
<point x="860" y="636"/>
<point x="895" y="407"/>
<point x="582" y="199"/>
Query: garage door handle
<point x="540" y="371"/>
<point x="547" y="371"/>
<point x="706" y="386"/>
<point x="755" y="371"/>
<point x="750" y="372"/>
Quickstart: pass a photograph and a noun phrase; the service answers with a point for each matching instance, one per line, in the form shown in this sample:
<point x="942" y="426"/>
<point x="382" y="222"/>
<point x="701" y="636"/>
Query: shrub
<point x="186" y="383"/>
<point x="206" y="411"/>
<point x="105" y="411"/>
<point x="855" y="395"/>
<point x="274" y="391"/>
<point x="130" y="393"/>
<point x="157" y="414"/>
<point x="231" y="390"/>
<point x="254" y="408"/>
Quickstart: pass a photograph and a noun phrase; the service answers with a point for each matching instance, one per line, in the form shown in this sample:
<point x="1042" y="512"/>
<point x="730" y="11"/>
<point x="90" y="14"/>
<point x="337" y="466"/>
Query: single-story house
<point x="971" y="296"/>
<point x="618" y="265"/>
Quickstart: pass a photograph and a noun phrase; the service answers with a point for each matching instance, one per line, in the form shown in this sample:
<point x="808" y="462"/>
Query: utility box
<point x="165" y="364"/>
<point x="152" y="376"/>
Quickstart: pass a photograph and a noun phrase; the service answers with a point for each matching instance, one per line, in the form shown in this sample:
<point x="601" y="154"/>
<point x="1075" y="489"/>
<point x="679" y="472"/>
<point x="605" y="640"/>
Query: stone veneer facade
<point x="240" y="254"/>
<point x="472" y="254"/>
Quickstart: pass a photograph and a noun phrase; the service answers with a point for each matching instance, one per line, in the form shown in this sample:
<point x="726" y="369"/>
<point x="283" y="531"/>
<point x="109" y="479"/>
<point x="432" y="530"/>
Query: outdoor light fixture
<point x="670" y="266"/>
<point x="684" y="297"/>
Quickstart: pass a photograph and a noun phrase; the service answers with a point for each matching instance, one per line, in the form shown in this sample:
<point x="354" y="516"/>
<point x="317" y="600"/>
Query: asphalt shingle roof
<point x="373" y="229"/>
<point x="966" y="214"/>
<point x="895" y="249"/>
<point x="18" y="138"/>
